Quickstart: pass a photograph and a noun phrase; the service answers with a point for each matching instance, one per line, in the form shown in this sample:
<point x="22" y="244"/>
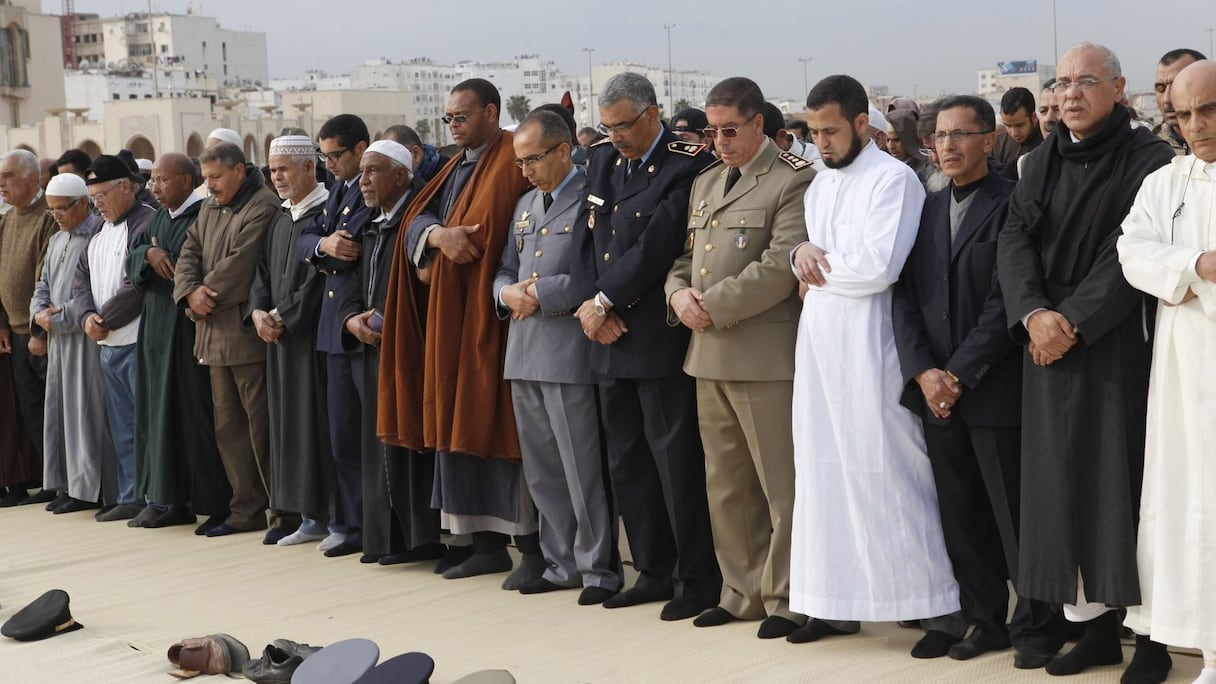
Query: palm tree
<point x="423" y="129"/>
<point x="681" y="105"/>
<point x="518" y="107"/>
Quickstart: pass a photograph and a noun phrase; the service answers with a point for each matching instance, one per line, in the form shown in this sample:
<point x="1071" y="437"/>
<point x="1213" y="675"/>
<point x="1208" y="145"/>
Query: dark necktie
<point x="548" y="200"/>
<point x="732" y="177"/>
<point x="630" y="165"/>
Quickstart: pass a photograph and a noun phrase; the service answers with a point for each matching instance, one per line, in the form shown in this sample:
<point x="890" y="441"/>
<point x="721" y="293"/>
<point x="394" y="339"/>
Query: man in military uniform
<point x="734" y="289"/>
<point x="635" y="214"/>
<point x="333" y="246"/>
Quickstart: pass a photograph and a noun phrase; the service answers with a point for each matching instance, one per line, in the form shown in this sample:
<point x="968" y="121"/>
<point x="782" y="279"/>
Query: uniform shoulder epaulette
<point x="796" y="163"/>
<point x="711" y="165"/>
<point x="686" y="148"/>
<point x="602" y="141"/>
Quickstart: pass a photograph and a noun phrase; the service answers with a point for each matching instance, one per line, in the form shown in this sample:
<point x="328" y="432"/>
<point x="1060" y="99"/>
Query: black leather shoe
<point x="714" y="617"/>
<point x="591" y="596"/>
<point x="934" y="644"/>
<point x="681" y="609"/>
<point x="14" y="497"/>
<point x="977" y="644"/>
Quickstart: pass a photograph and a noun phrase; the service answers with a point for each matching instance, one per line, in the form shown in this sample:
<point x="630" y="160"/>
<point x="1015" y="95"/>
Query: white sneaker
<point x="299" y="537"/>
<point x="334" y="539"/>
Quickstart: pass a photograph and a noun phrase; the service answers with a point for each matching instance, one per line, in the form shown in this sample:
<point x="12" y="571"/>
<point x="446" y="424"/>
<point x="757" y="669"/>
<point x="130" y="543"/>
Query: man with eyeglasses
<point x="733" y="288"/>
<point x="461" y="406"/>
<point x="211" y="281"/>
<point x="1168" y="67"/>
<point x="1168" y="251"/>
<point x="333" y="245"/>
<point x="633" y="226"/>
<point x="963" y="380"/>
<point x="25" y="231"/>
<point x="110" y="313"/>
<point x="178" y="467"/>
<point x="548" y="362"/>
<point x="1085" y="371"/>
<point x="855" y="556"/>
<point x="79" y="458"/>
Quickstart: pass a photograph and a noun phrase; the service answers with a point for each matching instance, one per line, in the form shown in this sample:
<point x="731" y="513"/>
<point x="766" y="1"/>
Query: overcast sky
<point x="926" y="47"/>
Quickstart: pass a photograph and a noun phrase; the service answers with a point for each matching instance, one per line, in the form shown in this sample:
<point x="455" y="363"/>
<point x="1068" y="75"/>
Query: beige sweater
<point x="24" y="235"/>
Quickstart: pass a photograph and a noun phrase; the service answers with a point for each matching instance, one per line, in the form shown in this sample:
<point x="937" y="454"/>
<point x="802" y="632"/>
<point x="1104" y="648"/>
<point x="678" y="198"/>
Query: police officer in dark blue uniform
<point x="632" y="228"/>
<point x="332" y="245"/>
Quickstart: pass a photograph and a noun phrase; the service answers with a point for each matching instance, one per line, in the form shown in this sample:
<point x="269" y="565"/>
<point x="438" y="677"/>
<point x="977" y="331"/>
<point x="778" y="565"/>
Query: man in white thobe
<point x="867" y="537"/>
<point x="1168" y="249"/>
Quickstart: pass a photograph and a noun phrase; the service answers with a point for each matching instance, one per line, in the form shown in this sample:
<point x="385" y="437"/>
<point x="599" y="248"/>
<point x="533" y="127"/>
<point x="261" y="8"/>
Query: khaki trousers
<point x="749" y="479"/>
<point x="242" y="433"/>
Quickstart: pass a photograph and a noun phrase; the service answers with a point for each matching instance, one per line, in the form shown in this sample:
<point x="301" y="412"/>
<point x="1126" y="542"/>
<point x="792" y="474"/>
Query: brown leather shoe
<point x="214" y="654"/>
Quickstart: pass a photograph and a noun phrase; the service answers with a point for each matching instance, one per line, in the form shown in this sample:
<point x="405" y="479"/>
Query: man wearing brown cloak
<point x="459" y="404"/>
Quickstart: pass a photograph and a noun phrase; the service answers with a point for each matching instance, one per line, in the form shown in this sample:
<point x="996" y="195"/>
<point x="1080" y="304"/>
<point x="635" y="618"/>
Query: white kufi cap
<point x="66" y="185"/>
<point x="393" y="150"/>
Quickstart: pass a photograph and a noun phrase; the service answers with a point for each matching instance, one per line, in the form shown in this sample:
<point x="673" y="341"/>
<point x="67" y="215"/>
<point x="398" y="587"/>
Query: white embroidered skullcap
<point x="877" y="120"/>
<point x="292" y="146"/>
<point x="144" y="164"/>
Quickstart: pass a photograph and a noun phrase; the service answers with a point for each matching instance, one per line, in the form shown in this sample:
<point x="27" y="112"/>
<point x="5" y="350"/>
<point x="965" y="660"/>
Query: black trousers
<point x="658" y="482"/>
<point x="344" y="397"/>
<point x="977" y="472"/>
<point x="29" y="383"/>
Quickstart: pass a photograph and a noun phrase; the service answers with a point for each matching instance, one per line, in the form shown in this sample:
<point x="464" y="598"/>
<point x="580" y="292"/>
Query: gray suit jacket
<point x="549" y="345"/>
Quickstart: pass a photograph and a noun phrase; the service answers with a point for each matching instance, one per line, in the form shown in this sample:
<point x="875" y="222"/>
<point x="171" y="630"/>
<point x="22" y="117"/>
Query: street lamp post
<point x="590" y="89"/>
<point x="806" y="85"/>
<point x="1055" y="36"/>
<point x="1211" y="52"/>
<point x="671" y="74"/>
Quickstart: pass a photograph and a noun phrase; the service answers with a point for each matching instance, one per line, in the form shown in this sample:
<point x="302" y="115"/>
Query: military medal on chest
<point x="520" y="225"/>
<point x="741" y="240"/>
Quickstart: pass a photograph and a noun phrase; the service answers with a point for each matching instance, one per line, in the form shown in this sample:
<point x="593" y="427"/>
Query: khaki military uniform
<point x="737" y="255"/>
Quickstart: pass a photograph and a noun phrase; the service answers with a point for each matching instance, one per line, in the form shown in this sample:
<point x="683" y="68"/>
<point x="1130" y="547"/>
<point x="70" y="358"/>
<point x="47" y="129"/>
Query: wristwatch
<point x="600" y="309"/>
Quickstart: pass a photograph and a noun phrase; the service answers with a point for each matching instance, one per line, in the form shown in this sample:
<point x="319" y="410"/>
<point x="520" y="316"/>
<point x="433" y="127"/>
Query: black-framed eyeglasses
<point x="458" y="119"/>
<point x="532" y="159"/>
<point x="1085" y="84"/>
<point x="332" y="157"/>
<point x="57" y="211"/>
<point x="957" y="135"/>
<point x="621" y="128"/>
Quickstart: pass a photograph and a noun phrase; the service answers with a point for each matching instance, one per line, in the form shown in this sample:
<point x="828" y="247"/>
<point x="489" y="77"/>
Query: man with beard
<point x="1085" y="372"/>
<point x="855" y="556"/>
<point x="284" y="303"/>
<point x="177" y="464"/>
<point x="1168" y="67"/>
<point x="399" y="525"/>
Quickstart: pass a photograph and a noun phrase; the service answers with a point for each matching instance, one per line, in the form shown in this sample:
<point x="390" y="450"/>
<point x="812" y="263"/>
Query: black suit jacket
<point x="631" y="230"/>
<point x="949" y="312"/>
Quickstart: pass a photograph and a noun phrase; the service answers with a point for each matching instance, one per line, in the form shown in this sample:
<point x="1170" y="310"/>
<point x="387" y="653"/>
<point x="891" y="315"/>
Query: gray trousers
<point x="559" y="436"/>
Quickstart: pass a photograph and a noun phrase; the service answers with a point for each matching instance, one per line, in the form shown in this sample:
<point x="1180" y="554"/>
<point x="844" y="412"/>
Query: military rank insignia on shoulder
<point x="686" y="148"/>
<point x="793" y="160"/>
<point x="603" y="141"/>
<point x="712" y="165"/>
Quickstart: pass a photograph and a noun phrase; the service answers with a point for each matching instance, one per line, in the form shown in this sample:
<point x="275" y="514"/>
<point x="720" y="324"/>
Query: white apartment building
<point x="187" y="41"/>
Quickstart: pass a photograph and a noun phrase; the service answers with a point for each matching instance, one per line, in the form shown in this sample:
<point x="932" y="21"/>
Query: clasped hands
<point x="688" y="303"/>
<point x="604" y="329"/>
<point x="941" y="391"/>
<point x="521" y="299"/>
<point x="1051" y="336"/>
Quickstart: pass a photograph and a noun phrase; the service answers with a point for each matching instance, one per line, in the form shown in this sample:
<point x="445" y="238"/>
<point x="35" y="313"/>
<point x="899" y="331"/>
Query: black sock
<point x="1099" y="646"/>
<point x="1150" y="665"/>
